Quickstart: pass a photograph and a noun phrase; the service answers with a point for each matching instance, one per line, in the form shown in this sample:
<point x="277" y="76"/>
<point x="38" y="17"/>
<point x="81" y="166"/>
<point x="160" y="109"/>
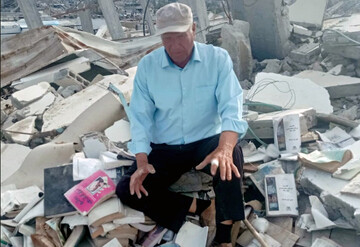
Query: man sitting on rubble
<point x="185" y="113"/>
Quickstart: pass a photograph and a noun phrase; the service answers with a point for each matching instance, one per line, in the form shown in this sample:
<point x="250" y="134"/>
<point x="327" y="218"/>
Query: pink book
<point x="91" y="192"/>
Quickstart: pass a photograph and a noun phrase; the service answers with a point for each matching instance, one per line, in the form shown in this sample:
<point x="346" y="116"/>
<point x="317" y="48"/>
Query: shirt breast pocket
<point x="205" y="98"/>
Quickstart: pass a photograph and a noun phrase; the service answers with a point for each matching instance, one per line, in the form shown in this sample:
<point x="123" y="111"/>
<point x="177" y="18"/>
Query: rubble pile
<point x="64" y="103"/>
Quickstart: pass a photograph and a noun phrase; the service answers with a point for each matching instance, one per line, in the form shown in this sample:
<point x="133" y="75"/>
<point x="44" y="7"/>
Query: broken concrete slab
<point x="320" y="183"/>
<point x="77" y="65"/>
<point x="337" y="86"/>
<point x="15" y="132"/>
<point x="263" y="125"/>
<point x="28" y="95"/>
<point x="38" y="107"/>
<point x="308" y="13"/>
<point x="119" y="131"/>
<point x="30" y="51"/>
<point x="235" y="39"/>
<point x="41" y="157"/>
<point x="12" y="156"/>
<point x="289" y="92"/>
<point x="306" y="53"/>
<point x="342" y="35"/>
<point x="84" y="111"/>
<point x="269" y="27"/>
<point x="347" y="238"/>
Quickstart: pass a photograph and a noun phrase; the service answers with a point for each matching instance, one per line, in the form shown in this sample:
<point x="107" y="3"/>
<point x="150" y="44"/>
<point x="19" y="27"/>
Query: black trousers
<point x="168" y="208"/>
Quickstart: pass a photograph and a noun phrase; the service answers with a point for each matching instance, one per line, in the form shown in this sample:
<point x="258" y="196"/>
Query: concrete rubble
<point x="64" y="96"/>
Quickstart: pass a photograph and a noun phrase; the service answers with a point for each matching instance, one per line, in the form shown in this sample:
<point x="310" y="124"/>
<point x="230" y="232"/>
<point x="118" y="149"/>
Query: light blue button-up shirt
<point x="176" y="105"/>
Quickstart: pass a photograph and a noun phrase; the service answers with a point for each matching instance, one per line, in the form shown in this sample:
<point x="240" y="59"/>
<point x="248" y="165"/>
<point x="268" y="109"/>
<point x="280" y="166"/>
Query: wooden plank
<point x="283" y="236"/>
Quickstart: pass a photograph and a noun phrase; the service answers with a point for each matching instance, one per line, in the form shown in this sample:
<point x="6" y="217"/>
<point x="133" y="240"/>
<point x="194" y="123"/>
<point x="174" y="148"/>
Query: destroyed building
<point x="64" y="102"/>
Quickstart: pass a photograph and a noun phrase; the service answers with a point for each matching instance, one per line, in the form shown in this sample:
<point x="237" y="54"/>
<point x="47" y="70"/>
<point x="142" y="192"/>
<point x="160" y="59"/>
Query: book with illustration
<point x="90" y="192"/>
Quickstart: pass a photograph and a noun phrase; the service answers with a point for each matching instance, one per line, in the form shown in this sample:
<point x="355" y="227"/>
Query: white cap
<point x="173" y="17"/>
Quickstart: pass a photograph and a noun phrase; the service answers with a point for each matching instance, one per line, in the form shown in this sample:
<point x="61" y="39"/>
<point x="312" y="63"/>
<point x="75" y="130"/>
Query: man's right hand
<point x="137" y="179"/>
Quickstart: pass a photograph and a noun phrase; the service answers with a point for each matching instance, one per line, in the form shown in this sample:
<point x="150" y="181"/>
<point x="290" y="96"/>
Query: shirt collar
<point x="166" y="61"/>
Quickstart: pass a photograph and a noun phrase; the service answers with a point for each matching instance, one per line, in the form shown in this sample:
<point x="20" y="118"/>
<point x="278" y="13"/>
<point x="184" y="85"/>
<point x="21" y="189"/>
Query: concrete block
<point x="85" y="111"/>
<point x="337" y="86"/>
<point x="26" y="125"/>
<point x="308" y="13"/>
<point x="70" y="90"/>
<point x="235" y="39"/>
<point x="12" y="156"/>
<point x="39" y="158"/>
<point x="77" y="65"/>
<point x="290" y="92"/>
<point x="306" y="54"/>
<point x="66" y="77"/>
<point x="28" y="95"/>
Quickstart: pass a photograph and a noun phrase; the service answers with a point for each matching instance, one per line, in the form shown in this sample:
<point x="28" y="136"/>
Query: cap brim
<point x="173" y="29"/>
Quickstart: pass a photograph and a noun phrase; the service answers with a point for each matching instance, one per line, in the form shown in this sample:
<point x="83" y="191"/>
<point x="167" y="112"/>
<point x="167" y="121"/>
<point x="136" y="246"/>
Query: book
<point x="106" y="212"/>
<point x="287" y="132"/>
<point x="58" y="180"/>
<point x="90" y="192"/>
<point x="281" y="195"/>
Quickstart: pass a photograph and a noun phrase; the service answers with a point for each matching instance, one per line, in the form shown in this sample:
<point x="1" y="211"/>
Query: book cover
<point x="281" y="195"/>
<point x="58" y="180"/>
<point x="287" y="137"/>
<point x="90" y="192"/>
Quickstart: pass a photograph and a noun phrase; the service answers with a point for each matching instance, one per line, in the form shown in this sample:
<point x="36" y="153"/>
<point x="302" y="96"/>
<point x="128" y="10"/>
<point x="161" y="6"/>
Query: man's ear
<point x="193" y="27"/>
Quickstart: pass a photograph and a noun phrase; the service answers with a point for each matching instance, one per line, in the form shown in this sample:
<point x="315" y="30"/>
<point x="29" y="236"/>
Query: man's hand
<point x="137" y="179"/>
<point x="222" y="157"/>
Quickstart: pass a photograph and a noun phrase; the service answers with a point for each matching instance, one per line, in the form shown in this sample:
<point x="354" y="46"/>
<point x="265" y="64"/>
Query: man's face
<point x="179" y="45"/>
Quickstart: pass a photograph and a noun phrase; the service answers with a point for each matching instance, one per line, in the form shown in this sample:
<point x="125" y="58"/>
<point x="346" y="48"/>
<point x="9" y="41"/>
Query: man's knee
<point x="123" y="189"/>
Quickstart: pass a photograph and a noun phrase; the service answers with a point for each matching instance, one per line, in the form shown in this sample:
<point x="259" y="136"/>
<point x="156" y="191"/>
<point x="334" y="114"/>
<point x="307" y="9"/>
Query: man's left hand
<point x="221" y="158"/>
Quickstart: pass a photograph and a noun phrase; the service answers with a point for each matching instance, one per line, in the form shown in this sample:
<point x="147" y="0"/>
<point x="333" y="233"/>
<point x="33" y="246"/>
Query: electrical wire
<point x="261" y="85"/>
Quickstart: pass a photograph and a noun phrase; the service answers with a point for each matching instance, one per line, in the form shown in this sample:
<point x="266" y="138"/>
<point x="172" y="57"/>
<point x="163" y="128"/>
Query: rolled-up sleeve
<point x="141" y="113"/>
<point x="230" y="96"/>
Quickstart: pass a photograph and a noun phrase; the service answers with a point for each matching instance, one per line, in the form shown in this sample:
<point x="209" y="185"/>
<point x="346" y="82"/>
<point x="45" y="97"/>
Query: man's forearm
<point x="141" y="159"/>
<point x="228" y="140"/>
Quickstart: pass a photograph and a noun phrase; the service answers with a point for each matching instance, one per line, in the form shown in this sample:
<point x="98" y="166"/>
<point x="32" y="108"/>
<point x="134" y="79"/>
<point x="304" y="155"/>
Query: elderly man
<point x="185" y="113"/>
